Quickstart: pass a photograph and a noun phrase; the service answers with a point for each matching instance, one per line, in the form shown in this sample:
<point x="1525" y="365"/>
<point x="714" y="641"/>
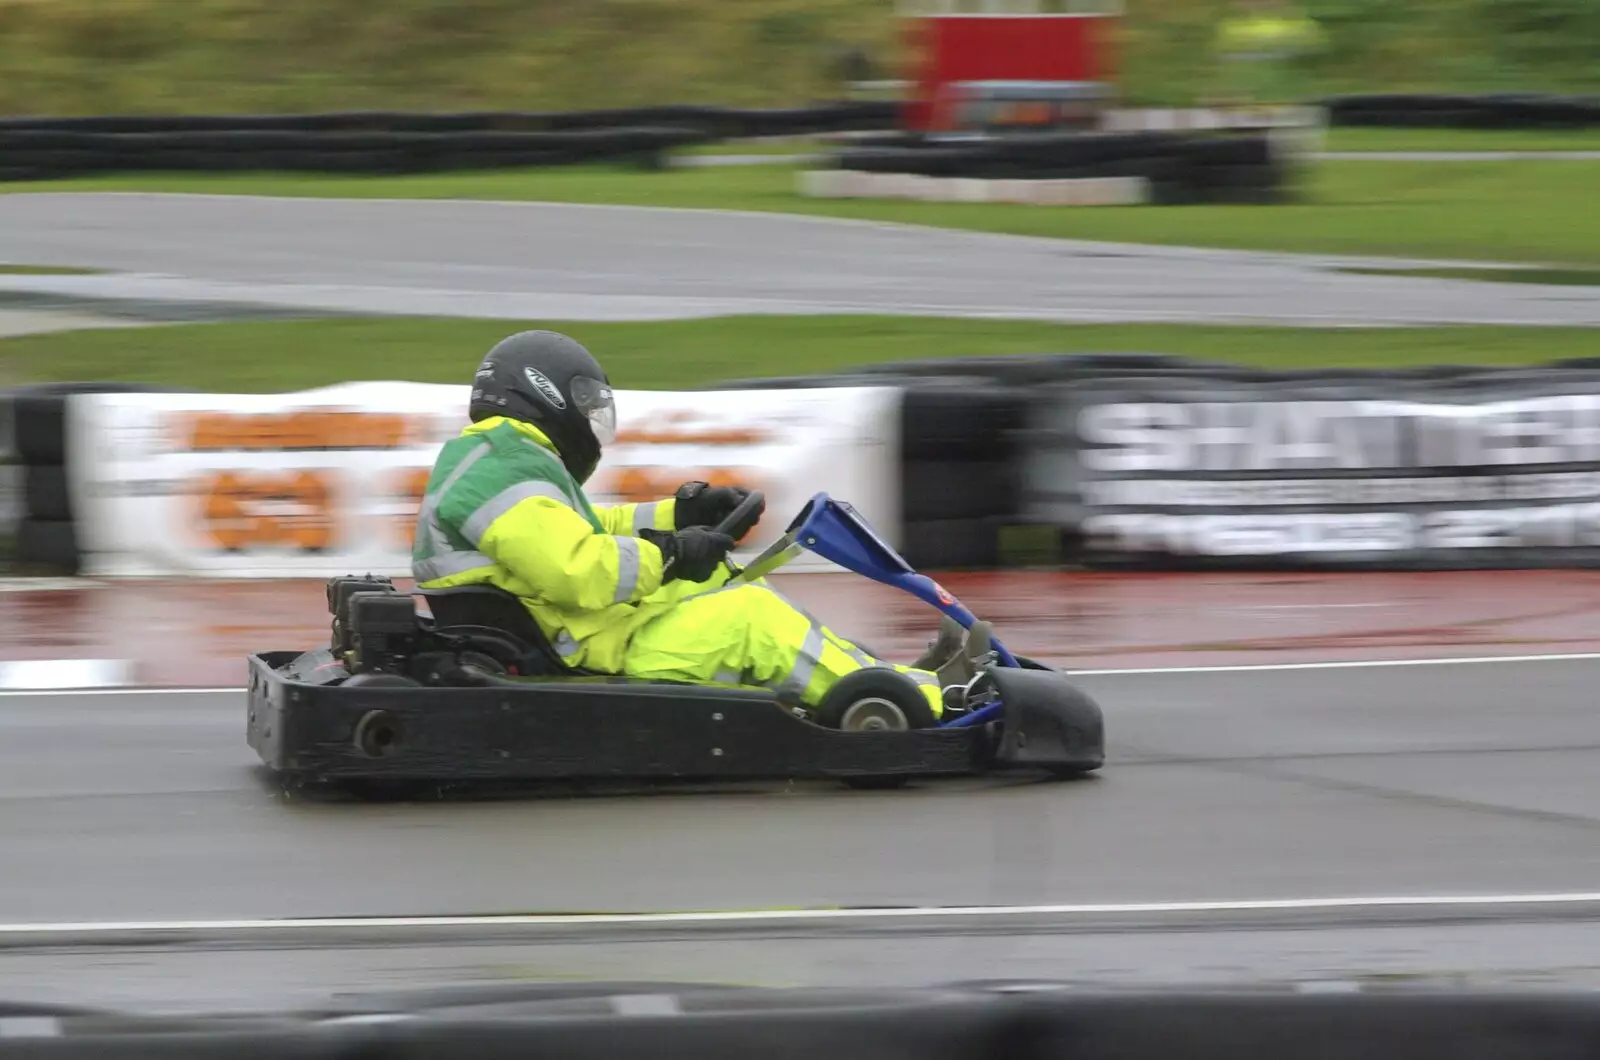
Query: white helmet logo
<point x="545" y="387"/>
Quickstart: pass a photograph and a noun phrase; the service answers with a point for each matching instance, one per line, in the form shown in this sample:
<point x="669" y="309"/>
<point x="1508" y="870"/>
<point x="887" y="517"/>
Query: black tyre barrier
<point x="1181" y="167"/>
<point x="34" y="423"/>
<point x="1053" y="154"/>
<point x="46" y="547"/>
<point x="979" y="488"/>
<point x="1464" y="112"/>
<point x="38" y="415"/>
<point x="716" y="122"/>
<point x="41" y="154"/>
<point x="45" y="494"/>
<point x="952" y="544"/>
<point x="959" y="420"/>
<point x="390" y="143"/>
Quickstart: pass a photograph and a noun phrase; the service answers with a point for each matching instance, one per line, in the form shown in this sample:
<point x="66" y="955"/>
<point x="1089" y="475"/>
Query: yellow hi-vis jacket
<point x="501" y="509"/>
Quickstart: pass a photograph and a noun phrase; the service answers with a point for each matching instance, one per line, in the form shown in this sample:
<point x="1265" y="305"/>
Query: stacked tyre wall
<point x="1519" y="111"/>
<point x="380" y="143"/>
<point x="39" y="521"/>
<point x="1162" y="168"/>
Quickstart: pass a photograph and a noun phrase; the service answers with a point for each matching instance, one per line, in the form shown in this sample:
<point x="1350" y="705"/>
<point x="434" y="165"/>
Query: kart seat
<point x="487" y="612"/>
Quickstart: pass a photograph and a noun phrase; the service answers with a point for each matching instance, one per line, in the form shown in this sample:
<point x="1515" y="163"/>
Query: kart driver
<point x="630" y="589"/>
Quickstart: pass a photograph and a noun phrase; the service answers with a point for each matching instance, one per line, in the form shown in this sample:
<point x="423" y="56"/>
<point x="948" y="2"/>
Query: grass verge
<point x="46" y="270"/>
<point x="1520" y="211"/>
<point x="266" y="356"/>
<point x="250" y="56"/>
<point x="1551" y="277"/>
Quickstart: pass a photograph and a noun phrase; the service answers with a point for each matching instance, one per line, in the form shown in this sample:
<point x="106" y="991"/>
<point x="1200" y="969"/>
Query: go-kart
<point x="474" y="691"/>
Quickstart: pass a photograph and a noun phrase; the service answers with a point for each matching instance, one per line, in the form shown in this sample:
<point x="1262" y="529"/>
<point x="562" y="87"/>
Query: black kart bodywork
<point x="473" y="692"/>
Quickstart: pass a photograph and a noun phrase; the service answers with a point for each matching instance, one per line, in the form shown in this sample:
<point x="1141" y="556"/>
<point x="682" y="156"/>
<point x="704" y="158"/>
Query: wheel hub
<point x="873" y="715"/>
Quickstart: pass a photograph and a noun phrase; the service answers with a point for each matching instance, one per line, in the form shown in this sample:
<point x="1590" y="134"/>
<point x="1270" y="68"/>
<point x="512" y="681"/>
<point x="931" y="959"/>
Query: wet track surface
<point x="535" y="260"/>
<point x="1461" y="779"/>
<point x="197" y="633"/>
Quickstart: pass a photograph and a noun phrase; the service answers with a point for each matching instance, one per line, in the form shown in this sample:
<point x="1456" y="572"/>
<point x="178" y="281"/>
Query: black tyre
<point x="48" y="497"/>
<point x="43" y="545"/>
<point x="876" y="701"/>
<point x="952" y="544"/>
<point x="38" y="416"/>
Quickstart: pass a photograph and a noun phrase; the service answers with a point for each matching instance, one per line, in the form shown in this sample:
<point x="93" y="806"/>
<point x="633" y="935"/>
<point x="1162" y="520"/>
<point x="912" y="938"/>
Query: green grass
<point x="46" y="270"/>
<point x="791" y="146"/>
<point x="254" y="56"/>
<point x="290" y="355"/>
<point x="1536" y="212"/>
<point x="1368" y="139"/>
<point x="1552" y="277"/>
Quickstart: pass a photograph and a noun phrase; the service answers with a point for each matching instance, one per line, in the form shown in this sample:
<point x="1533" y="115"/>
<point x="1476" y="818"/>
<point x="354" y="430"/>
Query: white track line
<point x="201" y="927"/>
<point x="1476" y="660"/>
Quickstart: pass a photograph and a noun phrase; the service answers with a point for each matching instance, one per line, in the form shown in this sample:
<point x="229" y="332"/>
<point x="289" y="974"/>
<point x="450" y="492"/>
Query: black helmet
<point x="551" y="381"/>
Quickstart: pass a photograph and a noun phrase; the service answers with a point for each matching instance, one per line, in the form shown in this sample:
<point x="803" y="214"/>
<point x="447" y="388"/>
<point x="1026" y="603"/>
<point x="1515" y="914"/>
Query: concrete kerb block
<point x="1073" y="191"/>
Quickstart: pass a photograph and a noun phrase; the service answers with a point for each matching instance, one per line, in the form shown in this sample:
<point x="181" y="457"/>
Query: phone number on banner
<point x="1553" y="526"/>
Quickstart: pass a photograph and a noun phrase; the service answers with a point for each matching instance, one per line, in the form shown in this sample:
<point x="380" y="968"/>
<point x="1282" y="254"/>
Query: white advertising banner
<point x="327" y="482"/>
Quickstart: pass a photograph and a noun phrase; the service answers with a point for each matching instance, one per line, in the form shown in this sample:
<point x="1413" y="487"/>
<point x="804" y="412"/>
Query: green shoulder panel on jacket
<point x="506" y="468"/>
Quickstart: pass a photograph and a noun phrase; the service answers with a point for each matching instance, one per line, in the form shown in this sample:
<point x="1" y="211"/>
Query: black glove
<point x="692" y="554"/>
<point x="701" y="504"/>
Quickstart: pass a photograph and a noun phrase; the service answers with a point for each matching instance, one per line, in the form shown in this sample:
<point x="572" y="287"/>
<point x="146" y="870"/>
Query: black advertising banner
<point x="1439" y="469"/>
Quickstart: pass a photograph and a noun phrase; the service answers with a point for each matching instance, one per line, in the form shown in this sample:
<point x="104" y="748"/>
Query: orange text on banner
<point x="241" y="510"/>
<point x="315" y="429"/>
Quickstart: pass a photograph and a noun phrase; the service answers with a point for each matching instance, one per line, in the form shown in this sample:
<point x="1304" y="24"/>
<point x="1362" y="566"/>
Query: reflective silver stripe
<point x="449" y="563"/>
<point x="431" y="501"/>
<point x="805" y="664"/>
<point x="565" y="645"/>
<point x="644" y="516"/>
<point x="627" y="568"/>
<point x="922" y="677"/>
<point x="478" y="522"/>
<point x="729" y="677"/>
<point x="428" y="519"/>
<point x="859" y="657"/>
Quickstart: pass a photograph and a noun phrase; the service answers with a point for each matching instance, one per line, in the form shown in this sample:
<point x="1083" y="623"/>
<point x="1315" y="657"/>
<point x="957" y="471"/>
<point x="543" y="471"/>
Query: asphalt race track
<point x="1466" y="779"/>
<point x="546" y="261"/>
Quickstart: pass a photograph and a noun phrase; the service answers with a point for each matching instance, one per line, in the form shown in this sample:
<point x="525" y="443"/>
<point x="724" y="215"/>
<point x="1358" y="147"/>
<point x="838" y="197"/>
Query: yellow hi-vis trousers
<point x="750" y="635"/>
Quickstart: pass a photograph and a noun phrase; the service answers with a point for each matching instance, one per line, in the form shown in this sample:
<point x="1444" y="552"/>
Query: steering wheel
<point x="738" y="515"/>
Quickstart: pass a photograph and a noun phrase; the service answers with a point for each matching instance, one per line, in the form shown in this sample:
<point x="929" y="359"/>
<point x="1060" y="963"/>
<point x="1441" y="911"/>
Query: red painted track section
<point x="196" y="633"/>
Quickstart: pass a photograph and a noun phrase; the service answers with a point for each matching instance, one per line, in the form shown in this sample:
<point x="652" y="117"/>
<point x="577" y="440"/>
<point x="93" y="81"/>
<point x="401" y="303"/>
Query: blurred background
<point x="243" y="56"/>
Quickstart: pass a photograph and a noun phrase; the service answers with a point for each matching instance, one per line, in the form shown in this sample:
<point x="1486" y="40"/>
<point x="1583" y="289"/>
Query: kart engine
<point x="375" y="627"/>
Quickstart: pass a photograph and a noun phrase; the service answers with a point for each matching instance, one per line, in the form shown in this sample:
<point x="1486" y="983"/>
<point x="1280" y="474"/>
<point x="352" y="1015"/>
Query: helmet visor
<point x="593" y="398"/>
